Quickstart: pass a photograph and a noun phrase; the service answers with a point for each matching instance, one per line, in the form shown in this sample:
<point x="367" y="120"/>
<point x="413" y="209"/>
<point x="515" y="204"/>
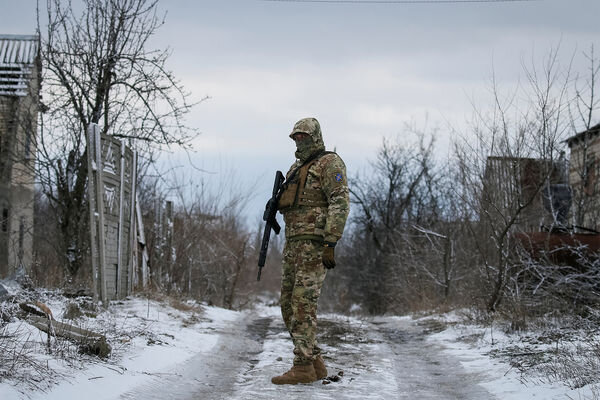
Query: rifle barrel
<point x="265" y="245"/>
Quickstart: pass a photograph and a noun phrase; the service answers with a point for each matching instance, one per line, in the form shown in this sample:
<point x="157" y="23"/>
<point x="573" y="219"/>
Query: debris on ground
<point x="333" y="378"/>
<point x="90" y="342"/>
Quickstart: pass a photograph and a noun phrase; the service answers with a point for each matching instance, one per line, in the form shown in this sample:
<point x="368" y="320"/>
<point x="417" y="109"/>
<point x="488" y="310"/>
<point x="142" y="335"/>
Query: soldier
<point x="315" y="204"/>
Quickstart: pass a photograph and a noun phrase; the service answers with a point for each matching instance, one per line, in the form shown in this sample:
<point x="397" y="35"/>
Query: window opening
<point x="590" y="175"/>
<point x="4" y="219"/>
<point x="27" y="146"/>
<point x="21" y="236"/>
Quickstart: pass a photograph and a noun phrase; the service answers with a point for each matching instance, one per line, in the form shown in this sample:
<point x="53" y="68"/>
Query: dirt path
<point x="385" y="358"/>
<point x="420" y="367"/>
<point x="212" y="374"/>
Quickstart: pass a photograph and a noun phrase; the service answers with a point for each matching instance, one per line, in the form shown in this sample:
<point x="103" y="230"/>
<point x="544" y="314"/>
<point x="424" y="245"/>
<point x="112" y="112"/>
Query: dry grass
<point x="20" y="361"/>
<point x="558" y="349"/>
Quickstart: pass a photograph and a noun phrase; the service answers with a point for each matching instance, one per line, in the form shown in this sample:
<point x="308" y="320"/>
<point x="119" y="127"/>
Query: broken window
<point x="14" y="80"/>
<point x="27" y="145"/>
<point x="21" y="236"/>
<point x="18" y="55"/>
<point x="589" y="175"/>
<point x="4" y="219"/>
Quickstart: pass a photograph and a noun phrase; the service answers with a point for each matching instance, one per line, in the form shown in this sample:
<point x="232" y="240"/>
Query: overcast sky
<point x="362" y="69"/>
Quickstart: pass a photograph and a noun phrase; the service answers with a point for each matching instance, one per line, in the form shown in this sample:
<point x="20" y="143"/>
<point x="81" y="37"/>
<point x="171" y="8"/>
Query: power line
<point x="398" y="1"/>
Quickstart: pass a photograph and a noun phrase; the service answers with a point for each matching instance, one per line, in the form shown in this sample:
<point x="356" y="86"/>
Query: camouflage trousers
<point x="303" y="276"/>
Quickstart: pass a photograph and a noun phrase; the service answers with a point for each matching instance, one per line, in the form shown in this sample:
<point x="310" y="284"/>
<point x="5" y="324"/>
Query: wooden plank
<point x="132" y="265"/>
<point x="60" y="327"/>
<point x="92" y="207"/>
<point x="120" y="229"/>
<point x="100" y="200"/>
<point x="92" y="341"/>
<point x="142" y="241"/>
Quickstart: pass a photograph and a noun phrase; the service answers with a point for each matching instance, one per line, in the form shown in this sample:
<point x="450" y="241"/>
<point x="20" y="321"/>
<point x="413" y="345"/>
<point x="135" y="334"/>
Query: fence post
<point x="120" y="228"/>
<point x="100" y="205"/>
<point x="92" y="172"/>
<point x="133" y="246"/>
<point x="142" y="241"/>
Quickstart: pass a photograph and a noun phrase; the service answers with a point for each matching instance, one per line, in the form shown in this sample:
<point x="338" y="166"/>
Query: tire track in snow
<point x="347" y="346"/>
<point x="381" y="358"/>
<point x="210" y="374"/>
<point x="384" y="358"/>
<point x="421" y="367"/>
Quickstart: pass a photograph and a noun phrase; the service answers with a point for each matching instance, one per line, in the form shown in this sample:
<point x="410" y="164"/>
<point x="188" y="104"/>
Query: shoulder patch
<point x="339" y="177"/>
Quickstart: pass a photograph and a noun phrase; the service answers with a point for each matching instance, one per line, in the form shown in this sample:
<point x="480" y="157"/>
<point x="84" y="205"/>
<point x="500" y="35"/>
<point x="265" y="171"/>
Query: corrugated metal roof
<point x="17" y="57"/>
<point x="18" y="49"/>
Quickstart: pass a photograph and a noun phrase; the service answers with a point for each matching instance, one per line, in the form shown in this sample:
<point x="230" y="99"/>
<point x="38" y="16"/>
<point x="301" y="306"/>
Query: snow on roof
<point x="594" y="130"/>
<point x="18" y="54"/>
<point x="18" y="49"/>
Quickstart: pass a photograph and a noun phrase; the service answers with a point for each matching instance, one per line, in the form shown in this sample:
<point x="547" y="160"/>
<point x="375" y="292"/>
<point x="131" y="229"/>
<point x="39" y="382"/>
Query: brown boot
<point x="298" y="374"/>
<point x="320" y="369"/>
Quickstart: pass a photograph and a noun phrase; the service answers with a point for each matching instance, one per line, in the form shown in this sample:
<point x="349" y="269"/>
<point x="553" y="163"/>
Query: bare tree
<point x="400" y="192"/>
<point x="562" y="267"/>
<point x="511" y="155"/>
<point x="98" y="68"/>
<point x="205" y="251"/>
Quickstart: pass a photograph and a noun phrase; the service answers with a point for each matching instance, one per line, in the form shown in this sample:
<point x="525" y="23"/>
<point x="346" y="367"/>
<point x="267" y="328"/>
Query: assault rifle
<point x="270" y="218"/>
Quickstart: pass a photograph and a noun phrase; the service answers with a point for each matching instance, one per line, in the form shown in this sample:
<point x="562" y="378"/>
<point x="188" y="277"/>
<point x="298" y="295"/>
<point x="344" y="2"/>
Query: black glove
<point x="329" y="255"/>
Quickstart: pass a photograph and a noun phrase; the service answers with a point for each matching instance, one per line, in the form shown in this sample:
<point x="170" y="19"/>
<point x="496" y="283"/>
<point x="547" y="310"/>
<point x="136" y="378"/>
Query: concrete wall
<point x="18" y="127"/>
<point x="512" y="182"/>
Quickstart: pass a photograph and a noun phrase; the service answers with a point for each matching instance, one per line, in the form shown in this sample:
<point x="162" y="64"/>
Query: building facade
<point x="534" y="192"/>
<point x="20" y="69"/>
<point x="584" y="170"/>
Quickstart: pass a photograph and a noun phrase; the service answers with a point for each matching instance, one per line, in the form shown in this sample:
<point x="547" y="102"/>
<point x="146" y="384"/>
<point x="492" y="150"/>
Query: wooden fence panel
<point x="112" y="200"/>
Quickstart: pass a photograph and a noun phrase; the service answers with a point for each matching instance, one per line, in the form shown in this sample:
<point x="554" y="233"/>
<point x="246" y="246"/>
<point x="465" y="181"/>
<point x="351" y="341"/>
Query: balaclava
<point x="314" y="144"/>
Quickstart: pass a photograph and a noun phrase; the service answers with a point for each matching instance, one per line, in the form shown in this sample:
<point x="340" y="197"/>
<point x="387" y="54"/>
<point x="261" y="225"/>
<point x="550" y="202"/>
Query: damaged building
<point x="536" y="191"/>
<point x="20" y="69"/>
<point x="559" y="201"/>
<point x="584" y="171"/>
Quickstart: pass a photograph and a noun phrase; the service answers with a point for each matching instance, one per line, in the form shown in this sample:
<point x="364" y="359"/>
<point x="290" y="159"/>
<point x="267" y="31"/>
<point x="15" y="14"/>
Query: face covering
<point x="304" y="149"/>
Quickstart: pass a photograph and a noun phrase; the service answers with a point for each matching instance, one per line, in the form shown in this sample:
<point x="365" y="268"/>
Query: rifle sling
<point x="314" y="157"/>
<point x="293" y="191"/>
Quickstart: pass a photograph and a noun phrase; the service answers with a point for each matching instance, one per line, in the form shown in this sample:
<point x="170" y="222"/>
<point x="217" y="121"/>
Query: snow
<point x="201" y="351"/>
<point x="500" y="379"/>
<point x="138" y="361"/>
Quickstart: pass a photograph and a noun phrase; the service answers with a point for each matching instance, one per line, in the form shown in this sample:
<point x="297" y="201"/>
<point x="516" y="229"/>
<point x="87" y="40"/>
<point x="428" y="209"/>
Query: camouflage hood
<point x="311" y="127"/>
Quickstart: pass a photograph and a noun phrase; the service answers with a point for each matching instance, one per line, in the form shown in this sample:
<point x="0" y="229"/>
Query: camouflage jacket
<point x="326" y="217"/>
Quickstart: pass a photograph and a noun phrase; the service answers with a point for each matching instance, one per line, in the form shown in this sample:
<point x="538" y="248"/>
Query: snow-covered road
<point x="204" y="352"/>
<point x="385" y="358"/>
